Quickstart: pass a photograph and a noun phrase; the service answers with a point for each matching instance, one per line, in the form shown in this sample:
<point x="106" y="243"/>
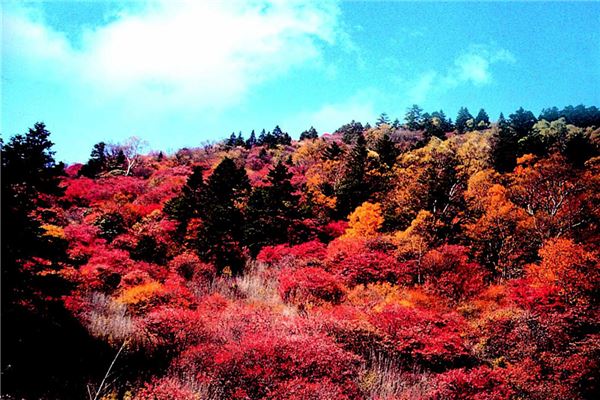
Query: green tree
<point x="350" y="131"/>
<point x="504" y="146"/>
<point x="387" y="151"/>
<point x="262" y="138"/>
<point x="251" y="142"/>
<point x="231" y="141"/>
<point x="482" y="120"/>
<point x="332" y="152"/>
<point x="271" y="210"/>
<point x="383" y="119"/>
<point x="239" y="140"/>
<point x="29" y="175"/>
<point x="37" y="330"/>
<point x="309" y="134"/>
<point x="97" y="162"/>
<point x="462" y="120"/>
<point x="190" y="202"/>
<point x="414" y="118"/>
<point x="352" y="190"/>
<point x="436" y="125"/>
<point x="221" y="232"/>
<point x="521" y="122"/>
<point x="281" y="137"/>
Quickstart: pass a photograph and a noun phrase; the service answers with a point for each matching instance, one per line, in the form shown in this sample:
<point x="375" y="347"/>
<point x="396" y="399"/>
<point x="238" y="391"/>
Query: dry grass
<point x="108" y="319"/>
<point x="382" y="378"/>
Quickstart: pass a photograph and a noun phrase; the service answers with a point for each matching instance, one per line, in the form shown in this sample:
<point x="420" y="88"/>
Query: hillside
<point x="425" y="260"/>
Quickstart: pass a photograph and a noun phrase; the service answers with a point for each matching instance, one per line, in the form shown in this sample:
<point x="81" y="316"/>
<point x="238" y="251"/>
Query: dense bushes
<point x="309" y="285"/>
<point x="448" y="279"/>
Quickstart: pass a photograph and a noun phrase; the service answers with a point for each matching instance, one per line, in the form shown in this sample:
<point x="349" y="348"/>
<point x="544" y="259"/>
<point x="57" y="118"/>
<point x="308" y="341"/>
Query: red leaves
<point x="481" y="383"/>
<point x="189" y="267"/>
<point x="299" y="325"/>
<point x="308" y="253"/>
<point x="309" y="285"/>
<point x="430" y="338"/>
<point x="166" y="389"/>
<point x="448" y="273"/>
<point x="355" y="263"/>
<point x="261" y="364"/>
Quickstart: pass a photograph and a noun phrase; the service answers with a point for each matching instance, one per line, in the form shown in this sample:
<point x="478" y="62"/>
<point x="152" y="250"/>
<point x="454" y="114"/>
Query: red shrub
<point x="353" y="331"/>
<point x="272" y="254"/>
<point x="166" y="389"/>
<point x="481" y="383"/>
<point x="309" y="285"/>
<point x="427" y="337"/>
<point x="173" y="329"/>
<point x="355" y="263"/>
<point x="334" y="229"/>
<point x="104" y="269"/>
<point x="83" y="240"/>
<point x="262" y="363"/>
<point x="90" y="191"/>
<point x="309" y="253"/>
<point x="72" y="170"/>
<point x="449" y="273"/>
<point x="189" y="267"/>
<point x="305" y="389"/>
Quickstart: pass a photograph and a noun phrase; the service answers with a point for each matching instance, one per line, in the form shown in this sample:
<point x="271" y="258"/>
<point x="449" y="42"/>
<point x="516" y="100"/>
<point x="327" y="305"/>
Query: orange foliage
<point x="569" y="266"/>
<point x="365" y="221"/>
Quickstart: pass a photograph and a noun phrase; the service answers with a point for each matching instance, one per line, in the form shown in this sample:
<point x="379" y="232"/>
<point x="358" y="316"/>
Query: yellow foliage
<point x="318" y="176"/>
<point x="376" y="296"/>
<point x="365" y="221"/>
<point x="309" y="153"/>
<point x="53" y="231"/>
<point x="474" y="153"/>
<point x="416" y="239"/>
<point x="140" y="293"/>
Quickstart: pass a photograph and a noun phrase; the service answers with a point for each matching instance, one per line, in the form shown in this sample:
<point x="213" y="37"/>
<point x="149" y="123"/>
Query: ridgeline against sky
<point x="182" y="73"/>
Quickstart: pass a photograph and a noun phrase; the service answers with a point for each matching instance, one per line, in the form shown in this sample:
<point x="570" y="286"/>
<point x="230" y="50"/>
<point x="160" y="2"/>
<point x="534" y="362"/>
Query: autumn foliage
<point x="393" y="262"/>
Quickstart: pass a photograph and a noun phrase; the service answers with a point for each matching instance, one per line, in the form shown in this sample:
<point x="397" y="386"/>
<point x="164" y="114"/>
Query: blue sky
<point x="182" y="73"/>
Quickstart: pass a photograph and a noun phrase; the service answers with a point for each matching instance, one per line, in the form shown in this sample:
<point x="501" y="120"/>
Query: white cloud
<point x="474" y="65"/>
<point x="330" y="116"/>
<point x="471" y="67"/>
<point x="195" y="54"/>
<point x="422" y="86"/>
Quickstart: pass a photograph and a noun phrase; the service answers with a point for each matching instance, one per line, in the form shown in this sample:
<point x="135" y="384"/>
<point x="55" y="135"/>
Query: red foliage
<point x="72" y="170"/>
<point x="173" y="329"/>
<point x="355" y="263"/>
<point x="353" y="331"/>
<point x="90" y="191"/>
<point x="262" y="363"/>
<point x="189" y="267"/>
<point x="481" y="383"/>
<point x="83" y="240"/>
<point x="305" y="389"/>
<point x="166" y="389"/>
<point x="334" y="229"/>
<point x="309" y="253"/>
<point x="448" y="273"/>
<point x="429" y="338"/>
<point x="105" y="268"/>
<point x="309" y="285"/>
<point x="353" y="300"/>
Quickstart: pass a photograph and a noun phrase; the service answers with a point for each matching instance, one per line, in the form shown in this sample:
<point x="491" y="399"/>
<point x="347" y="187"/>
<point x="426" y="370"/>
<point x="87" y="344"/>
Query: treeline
<point x="238" y="217"/>
<point x="392" y="239"/>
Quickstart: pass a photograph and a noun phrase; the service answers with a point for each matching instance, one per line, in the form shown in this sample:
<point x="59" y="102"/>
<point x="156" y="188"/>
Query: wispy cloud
<point x="195" y="54"/>
<point x="330" y="116"/>
<point x="473" y="66"/>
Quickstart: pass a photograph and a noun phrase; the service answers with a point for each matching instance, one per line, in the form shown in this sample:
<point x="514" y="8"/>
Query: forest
<point x="421" y="258"/>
